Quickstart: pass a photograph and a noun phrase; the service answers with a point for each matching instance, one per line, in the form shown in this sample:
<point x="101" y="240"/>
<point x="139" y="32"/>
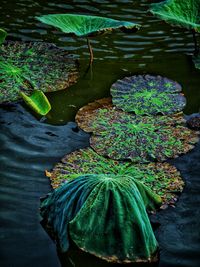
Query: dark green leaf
<point x="3" y="35"/>
<point x="106" y="215"/>
<point x="146" y="94"/>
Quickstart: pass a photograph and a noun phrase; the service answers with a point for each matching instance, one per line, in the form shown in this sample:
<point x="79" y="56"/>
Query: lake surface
<point x="30" y="145"/>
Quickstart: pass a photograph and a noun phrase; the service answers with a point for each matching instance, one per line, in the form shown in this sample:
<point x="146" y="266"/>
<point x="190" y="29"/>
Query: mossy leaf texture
<point x="85" y="25"/>
<point x="29" y="66"/>
<point x="147" y="94"/>
<point x="183" y="13"/>
<point x="91" y="209"/>
<point x="161" y="178"/>
<point x="120" y="135"/>
<point x="37" y="101"/>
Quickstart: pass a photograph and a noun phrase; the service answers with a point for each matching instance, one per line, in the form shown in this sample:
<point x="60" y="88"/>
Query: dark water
<point x="29" y="146"/>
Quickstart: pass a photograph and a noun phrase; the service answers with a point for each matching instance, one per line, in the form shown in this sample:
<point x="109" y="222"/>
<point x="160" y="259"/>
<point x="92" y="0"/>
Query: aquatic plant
<point x="37" y="101"/>
<point x="184" y="13"/>
<point x="104" y="215"/>
<point x="147" y="94"/>
<point x="121" y="135"/>
<point x="29" y="66"/>
<point x="161" y="178"/>
<point x="3" y="35"/>
<point x="86" y="26"/>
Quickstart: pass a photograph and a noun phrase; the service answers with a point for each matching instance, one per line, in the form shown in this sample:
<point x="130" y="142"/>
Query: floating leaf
<point x="184" y="13"/>
<point x="3" y="35"/>
<point x="37" y="101"/>
<point x="84" y="25"/>
<point x="121" y="135"/>
<point x="193" y="121"/>
<point x="28" y="66"/>
<point x="85" y="113"/>
<point x="146" y="94"/>
<point x="161" y="178"/>
<point x="196" y="61"/>
<point x="104" y="215"/>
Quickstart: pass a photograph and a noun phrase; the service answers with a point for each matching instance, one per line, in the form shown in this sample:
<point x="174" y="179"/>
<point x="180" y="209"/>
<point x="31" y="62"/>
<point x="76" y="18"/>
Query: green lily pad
<point x="196" y="61"/>
<point x="37" y="101"/>
<point x="84" y="25"/>
<point x="120" y="135"/>
<point x="161" y="178"/>
<point x="29" y="66"/>
<point x="147" y="94"/>
<point x="86" y="113"/>
<point x="184" y="13"/>
<point x="3" y="35"/>
<point x="104" y="215"/>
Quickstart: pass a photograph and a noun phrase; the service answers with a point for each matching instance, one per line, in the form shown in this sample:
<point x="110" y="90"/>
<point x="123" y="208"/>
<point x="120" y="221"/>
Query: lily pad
<point x="161" y="178"/>
<point x="85" y="25"/>
<point x="29" y="66"/>
<point x="120" y="135"/>
<point x="3" y="35"/>
<point x="147" y="94"/>
<point x="37" y="101"/>
<point x="104" y="215"/>
<point x="184" y="13"/>
<point x="84" y="114"/>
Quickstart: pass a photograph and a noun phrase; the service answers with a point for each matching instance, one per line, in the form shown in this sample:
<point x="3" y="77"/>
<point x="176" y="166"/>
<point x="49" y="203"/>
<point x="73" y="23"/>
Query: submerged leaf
<point x="104" y="215"/>
<point x="3" y="35"/>
<point x="28" y="66"/>
<point x="146" y="94"/>
<point x="161" y="178"/>
<point x="183" y="13"/>
<point x="85" y="25"/>
<point x="121" y="135"/>
<point x="37" y="101"/>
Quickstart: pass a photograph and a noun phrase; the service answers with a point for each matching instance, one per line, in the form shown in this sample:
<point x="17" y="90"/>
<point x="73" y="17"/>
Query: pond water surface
<point x="29" y="146"/>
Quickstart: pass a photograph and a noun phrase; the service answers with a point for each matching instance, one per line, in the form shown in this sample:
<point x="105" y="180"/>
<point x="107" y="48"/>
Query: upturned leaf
<point x="182" y="13"/>
<point x="37" y="101"/>
<point x="84" y="25"/>
<point x="104" y="215"/>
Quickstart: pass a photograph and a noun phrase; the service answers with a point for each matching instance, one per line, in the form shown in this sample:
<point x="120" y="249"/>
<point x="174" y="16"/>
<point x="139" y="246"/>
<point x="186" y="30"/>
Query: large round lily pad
<point x="104" y="215"/>
<point x="121" y="135"/>
<point x="29" y="66"/>
<point x="85" y="25"/>
<point x="147" y="94"/>
<point x="161" y="178"/>
<point x="183" y="13"/>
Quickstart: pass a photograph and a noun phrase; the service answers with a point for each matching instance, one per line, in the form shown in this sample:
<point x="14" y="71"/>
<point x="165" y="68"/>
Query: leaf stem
<point x="196" y="46"/>
<point x="90" y="50"/>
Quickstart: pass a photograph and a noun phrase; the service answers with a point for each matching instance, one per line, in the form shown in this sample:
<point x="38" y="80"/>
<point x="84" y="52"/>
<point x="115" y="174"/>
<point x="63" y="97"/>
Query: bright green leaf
<point x="37" y="101"/>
